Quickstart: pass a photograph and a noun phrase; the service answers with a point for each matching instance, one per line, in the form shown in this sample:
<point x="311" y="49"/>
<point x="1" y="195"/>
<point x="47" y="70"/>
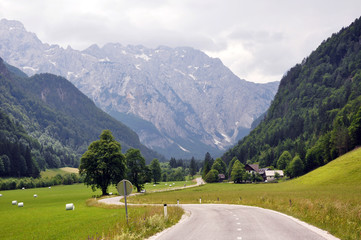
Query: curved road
<point x="238" y="222"/>
<point x="222" y="221"/>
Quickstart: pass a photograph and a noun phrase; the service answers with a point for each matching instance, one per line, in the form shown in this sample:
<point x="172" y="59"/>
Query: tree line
<point x="29" y="182"/>
<point x="235" y="171"/>
<point x="104" y="164"/>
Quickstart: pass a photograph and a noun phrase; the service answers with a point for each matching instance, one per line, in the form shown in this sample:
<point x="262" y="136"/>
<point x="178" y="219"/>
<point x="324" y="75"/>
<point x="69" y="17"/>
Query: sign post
<point x="125" y="188"/>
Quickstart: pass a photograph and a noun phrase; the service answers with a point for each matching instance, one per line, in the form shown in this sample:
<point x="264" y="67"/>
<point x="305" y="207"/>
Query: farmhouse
<point x="270" y="175"/>
<point x="266" y="173"/>
<point x="252" y="168"/>
<point x="221" y="177"/>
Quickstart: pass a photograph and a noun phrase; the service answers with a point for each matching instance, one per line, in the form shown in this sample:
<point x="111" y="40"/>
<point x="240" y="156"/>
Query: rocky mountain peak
<point x="180" y="101"/>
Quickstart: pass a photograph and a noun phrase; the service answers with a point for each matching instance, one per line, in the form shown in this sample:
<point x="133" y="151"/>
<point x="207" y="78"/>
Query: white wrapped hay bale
<point x="20" y="204"/>
<point x="1" y="195"/>
<point x="69" y="206"/>
<point x="35" y="195"/>
<point x="14" y="202"/>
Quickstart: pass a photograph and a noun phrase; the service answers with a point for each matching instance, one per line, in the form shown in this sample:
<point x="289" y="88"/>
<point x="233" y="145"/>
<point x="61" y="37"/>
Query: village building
<point x="221" y="177"/>
<point x="252" y="168"/>
<point x="270" y="175"/>
<point x="266" y="173"/>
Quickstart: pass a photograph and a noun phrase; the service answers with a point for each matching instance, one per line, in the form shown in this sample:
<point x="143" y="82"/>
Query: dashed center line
<point x="239" y="238"/>
<point x="239" y="229"/>
<point x="238" y="223"/>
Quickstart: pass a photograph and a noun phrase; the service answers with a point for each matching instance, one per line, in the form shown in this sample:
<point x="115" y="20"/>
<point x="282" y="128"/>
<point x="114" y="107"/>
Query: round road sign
<point x="124" y="184"/>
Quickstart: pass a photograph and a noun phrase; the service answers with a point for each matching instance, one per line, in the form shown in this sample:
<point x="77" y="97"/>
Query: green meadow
<point x="62" y="171"/>
<point x="328" y="197"/>
<point x="45" y="217"/>
<point x="151" y="187"/>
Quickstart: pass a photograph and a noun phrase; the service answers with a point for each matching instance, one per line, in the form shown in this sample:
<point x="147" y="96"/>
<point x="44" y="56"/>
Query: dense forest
<point x="15" y="154"/>
<point x="49" y="123"/>
<point x="316" y="113"/>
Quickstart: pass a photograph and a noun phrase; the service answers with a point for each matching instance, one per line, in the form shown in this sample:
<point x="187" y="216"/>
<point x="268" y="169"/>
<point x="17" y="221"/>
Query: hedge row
<point x="19" y="183"/>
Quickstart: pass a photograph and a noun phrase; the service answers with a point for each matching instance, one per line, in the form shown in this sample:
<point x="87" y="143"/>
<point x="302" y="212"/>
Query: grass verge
<point x="328" y="197"/>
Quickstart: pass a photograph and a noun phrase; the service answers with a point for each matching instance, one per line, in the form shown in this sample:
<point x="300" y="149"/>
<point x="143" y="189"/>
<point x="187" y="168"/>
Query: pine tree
<point x="192" y="167"/>
<point x="207" y="164"/>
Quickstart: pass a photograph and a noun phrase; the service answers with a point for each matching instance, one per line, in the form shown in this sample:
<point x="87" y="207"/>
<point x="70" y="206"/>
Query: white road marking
<point x="239" y="229"/>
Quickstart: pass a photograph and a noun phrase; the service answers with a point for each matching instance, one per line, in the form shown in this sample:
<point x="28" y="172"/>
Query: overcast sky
<point x="259" y="40"/>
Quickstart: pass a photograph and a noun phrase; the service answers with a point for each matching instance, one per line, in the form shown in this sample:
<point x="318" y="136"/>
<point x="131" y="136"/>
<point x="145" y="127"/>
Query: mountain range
<point x="180" y="102"/>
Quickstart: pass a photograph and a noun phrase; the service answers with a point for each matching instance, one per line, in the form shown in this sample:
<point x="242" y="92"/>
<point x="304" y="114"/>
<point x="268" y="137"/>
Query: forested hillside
<point x="15" y="154"/>
<point x="55" y="113"/>
<point x="316" y="113"/>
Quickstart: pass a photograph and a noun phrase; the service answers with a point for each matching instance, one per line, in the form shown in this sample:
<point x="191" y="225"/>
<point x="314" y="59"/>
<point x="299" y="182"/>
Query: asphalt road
<point x="222" y="221"/>
<point x="235" y="222"/>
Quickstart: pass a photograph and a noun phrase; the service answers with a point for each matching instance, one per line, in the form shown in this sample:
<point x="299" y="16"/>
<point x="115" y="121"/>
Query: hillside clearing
<point x="70" y="169"/>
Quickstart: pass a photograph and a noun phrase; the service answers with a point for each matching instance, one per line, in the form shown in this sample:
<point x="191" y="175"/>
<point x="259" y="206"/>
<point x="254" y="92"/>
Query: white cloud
<point x="259" y="40"/>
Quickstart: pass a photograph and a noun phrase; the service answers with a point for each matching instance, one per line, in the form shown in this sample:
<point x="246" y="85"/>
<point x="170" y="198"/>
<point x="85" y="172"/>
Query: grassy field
<point x="62" y="171"/>
<point x="150" y="187"/>
<point x="328" y="197"/>
<point x="45" y="217"/>
<point x="70" y="169"/>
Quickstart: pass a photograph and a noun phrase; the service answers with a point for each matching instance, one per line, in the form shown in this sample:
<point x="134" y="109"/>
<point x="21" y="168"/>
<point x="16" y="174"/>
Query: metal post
<point x="178" y="202"/>
<point x="125" y="201"/>
<point x="200" y="200"/>
<point x="165" y="211"/>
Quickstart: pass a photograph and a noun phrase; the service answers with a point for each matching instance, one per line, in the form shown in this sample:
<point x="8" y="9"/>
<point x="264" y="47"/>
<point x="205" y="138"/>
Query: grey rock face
<point x="180" y="101"/>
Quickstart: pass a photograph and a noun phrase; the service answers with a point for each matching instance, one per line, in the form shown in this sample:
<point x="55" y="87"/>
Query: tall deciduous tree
<point x="147" y="174"/>
<point x="234" y="159"/>
<point x="220" y="166"/>
<point x="136" y="168"/>
<point x="212" y="176"/>
<point x="156" y="170"/>
<point x="355" y="129"/>
<point x="237" y="172"/>
<point x="284" y="160"/>
<point x="103" y="163"/>
<point x="295" y="167"/>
